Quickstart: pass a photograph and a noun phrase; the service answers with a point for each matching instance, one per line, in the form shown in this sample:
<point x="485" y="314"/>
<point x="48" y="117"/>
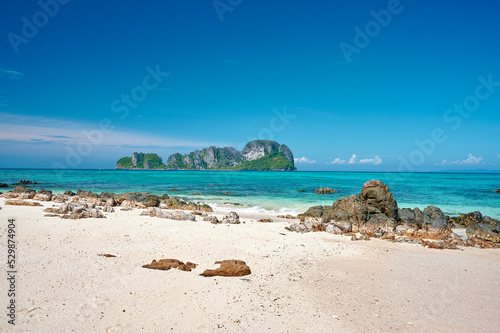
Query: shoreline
<point x="299" y="282"/>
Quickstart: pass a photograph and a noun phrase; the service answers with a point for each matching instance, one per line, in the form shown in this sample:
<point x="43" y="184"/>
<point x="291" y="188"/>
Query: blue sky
<point x="347" y="85"/>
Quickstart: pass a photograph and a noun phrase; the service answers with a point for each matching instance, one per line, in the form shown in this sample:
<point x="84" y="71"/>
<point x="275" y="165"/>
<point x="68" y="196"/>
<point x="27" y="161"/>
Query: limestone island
<point x="258" y="155"/>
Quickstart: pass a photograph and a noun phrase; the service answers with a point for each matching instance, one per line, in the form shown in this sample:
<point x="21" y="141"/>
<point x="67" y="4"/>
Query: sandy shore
<point x="315" y="282"/>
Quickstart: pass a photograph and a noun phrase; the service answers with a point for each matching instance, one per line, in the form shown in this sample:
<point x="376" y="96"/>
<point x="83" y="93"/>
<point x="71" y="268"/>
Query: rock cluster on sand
<point x="21" y="203"/>
<point x="178" y="216"/>
<point x="76" y="211"/>
<point x="229" y="268"/>
<point x="375" y="213"/>
<point x="325" y="190"/>
<point x="166" y="264"/>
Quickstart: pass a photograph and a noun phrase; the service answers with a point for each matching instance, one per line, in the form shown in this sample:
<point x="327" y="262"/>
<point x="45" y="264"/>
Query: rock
<point x="348" y="209"/>
<point x="25" y="182"/>
<point x="376" y="194"/>
<point x="266" y="220"/>
<point x="3" y="185"/>
<point x="407" y="216"/>
<point x="302" y="190"/>
<point x="496" y="191"/>
<point x="86" y="194"/>
<point x="173" y="190"/>
<point x="21" y="203"/>
<point x="145" y="198"/>
<point x="288" y="216"/>
<point x="43" y="195"/>
<point x="211" y="219"/>
<point x="231" y="218"/>
<point x="176" y="203"/>
<point x="51" y="215"/>
<point x="196" y="193"/>
<point x="324" y="190"/>
<point x="434" y="217"/>
<point x="107" y="255"/>
<point x="107" y="196"/>
<point x="166" y="264"/>
<point x="281" y="216"/>
<point x="69" y="193"/>
<point x="484" y="232"/>
<point x="59" y="198"/>
<point x="227" y="193"/>
<point x="492" y="222"/>
<point x="469" y="220"/>
<point x="109" y="209"/>
<point x="229" y="268"/>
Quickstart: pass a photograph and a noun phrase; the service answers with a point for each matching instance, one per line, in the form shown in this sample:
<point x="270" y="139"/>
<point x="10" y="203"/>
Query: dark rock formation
<point x="25" y="182"/>
<point x="69" y="193"/>
<point x="145" y="198"/>
<point x="324" y="190"/>
<point x="3" y="185"/>
<point x="496" y="191"/>
<point x="374" y="213"/>
<point x="229" y="268"/>
<point x="376" y="194"/>
<point x="434" y="218"/>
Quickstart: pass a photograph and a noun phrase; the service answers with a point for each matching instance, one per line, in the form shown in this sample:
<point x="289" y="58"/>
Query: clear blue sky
<point x="232" y="65"/>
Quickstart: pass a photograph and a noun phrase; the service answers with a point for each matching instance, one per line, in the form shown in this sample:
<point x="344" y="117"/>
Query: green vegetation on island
<point x="258" y="155"/>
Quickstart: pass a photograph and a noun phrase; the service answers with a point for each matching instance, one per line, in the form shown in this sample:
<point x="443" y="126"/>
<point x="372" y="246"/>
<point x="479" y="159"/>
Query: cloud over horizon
<point x="354" y="160"/>
<point x="470" y="160"/>
<point x="304" y="160"/>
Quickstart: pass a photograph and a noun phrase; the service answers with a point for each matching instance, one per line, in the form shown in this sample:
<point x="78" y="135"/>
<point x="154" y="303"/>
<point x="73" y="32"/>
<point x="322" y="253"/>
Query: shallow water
<point x="278" y="191"/>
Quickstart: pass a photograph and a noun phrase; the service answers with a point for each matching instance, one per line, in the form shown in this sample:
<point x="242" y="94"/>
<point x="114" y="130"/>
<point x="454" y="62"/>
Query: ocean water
<point x="454" y="193"/>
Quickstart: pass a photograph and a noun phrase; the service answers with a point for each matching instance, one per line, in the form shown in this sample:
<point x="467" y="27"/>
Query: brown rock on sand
<point x="166" y="264"/>
<point x="229" y="268"/>
<point x="21" y="203"/>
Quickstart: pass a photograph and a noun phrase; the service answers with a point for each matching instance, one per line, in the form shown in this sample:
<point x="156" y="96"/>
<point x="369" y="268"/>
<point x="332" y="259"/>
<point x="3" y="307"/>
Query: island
<point x="257" y="155"/>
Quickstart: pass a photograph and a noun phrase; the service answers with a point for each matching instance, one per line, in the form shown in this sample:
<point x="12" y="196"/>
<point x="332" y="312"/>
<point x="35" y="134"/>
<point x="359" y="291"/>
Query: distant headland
<point x="258" y="155"/>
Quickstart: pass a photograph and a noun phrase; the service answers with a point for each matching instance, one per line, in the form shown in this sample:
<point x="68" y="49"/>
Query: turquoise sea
<point x="454" y="193"/>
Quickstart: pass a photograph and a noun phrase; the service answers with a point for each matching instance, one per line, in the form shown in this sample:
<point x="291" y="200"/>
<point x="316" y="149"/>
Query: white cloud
<point x="28" y="129"/>
<point x="337" y="161"/>
<point x="304" y="160"/>
<point x="354" y="160"/>
<point x="470" y="160"/>
<point x="375" y="161"/>
<point x="10" y="74"/>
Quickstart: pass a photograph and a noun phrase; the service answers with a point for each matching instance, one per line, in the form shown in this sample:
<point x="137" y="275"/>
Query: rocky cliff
<point x="258" y="155"/>
<point x="140" y="161"/>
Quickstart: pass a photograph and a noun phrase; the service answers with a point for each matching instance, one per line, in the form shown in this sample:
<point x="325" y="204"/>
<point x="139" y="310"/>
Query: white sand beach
<point x="313" y="282"/>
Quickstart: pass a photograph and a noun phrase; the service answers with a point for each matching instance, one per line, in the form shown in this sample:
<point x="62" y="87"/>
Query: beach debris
<point x="212" y="219"/>
<point x="231" y="218"/>
<point x="107" y="255"/>
<point x="21" y="203"/>
<point x="166" y="264"/>
<point x="43" y="195"/>
<point x="266" y="220"/>
<point x="228" y="268"/>
<point x="324" y="190"/>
